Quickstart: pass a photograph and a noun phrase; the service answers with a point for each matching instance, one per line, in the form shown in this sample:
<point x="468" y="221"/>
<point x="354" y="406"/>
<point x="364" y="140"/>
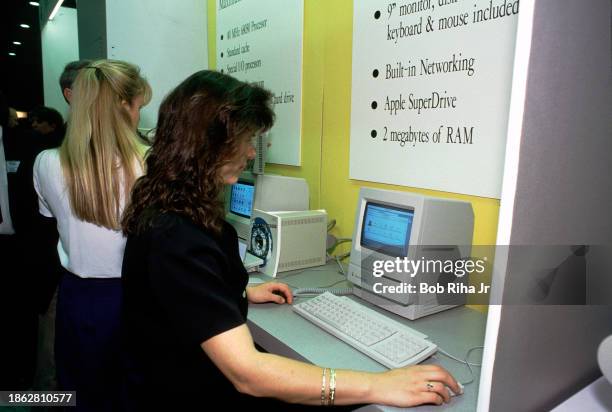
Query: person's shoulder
<point x="172" y="234"/>
<point x="176" y="227"/>
<point x="229" y="229"/>
<point x="48" y="156"/>
<point x="47" y="159"/>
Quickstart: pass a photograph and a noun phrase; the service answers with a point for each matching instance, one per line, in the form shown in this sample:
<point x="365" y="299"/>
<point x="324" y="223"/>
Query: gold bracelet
<point x="332" y="386"/>
<point x="323" y="387"/>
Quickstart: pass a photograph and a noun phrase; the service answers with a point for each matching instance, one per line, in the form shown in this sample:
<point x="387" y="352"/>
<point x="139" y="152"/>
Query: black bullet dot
<point x="375" y="73"/>
<point x="221" y="37"/>
<point x="374" y="105"/>
<point x="377" y="14"/>
<point x="373" y="134"/>
<point x="221" y="54"/>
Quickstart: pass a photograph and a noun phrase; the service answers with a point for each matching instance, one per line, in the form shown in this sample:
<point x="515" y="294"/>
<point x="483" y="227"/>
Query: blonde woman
<point x="84" y="185"/>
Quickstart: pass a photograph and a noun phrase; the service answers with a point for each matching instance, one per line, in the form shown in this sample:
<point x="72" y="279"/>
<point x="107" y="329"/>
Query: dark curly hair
<point x="201" y="125"/>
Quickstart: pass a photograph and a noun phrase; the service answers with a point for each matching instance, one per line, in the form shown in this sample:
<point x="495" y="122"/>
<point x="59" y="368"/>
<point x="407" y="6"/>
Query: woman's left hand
<point x="269" y="292"/>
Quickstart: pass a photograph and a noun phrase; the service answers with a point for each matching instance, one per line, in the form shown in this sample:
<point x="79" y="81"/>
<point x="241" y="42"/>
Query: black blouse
<point x="182" y="285"/>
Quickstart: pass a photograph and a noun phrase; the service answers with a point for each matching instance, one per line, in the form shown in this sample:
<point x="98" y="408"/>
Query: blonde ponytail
<point x="102" y="155"/>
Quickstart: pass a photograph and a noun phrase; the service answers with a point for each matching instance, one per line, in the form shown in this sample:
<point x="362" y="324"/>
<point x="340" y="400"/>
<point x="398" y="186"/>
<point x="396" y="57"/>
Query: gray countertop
<point x="277" y="329"/>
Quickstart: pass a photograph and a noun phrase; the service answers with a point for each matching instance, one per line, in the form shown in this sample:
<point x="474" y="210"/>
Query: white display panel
<point x="435" y="114"/>
<point x="261" y="41"/>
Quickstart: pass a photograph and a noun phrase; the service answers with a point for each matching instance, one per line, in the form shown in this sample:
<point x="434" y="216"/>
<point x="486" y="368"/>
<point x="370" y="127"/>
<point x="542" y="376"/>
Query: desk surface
<point x="279" y="330"/>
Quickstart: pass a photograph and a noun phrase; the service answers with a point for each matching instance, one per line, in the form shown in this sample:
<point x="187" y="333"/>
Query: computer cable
<point x="337" y="243"/>
<point x="466" y="356"/>
<point x="307" y="292"/>
<point x="464" y="361"/>
<point x="337" y="259"/>
<point x="299" y="272"/>
<point x="331" y="224"/>
<point x="303" y="292"/>
<point x="344" y="255"/>
<point x="284" y="278"/>
<point x="289" y="275"/>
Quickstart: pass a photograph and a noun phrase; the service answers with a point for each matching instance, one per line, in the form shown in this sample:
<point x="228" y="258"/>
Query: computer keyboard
<point x="388" y="342"/>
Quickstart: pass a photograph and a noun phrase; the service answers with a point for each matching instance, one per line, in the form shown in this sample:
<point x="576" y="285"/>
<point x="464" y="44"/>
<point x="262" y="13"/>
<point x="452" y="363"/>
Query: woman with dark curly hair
<point x="185" y="289"/>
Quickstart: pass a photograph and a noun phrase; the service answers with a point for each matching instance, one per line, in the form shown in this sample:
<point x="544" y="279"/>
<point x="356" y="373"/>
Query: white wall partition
<point x="59" y="41"/>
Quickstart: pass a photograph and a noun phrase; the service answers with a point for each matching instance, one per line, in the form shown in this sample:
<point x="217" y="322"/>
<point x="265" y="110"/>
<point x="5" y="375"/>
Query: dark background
<point x="21" y="75"/>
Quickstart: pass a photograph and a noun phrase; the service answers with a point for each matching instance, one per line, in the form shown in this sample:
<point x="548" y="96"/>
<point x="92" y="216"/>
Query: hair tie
<point x="98" y="70"/>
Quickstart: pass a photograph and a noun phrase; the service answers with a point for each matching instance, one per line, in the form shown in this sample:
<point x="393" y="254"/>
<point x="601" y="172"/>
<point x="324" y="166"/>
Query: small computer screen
<point x="241" y="199"/>
<point x="386" y="229"/>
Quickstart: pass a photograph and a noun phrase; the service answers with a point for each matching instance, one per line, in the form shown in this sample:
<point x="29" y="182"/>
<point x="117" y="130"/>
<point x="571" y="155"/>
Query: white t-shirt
<point x="87" y="250"/>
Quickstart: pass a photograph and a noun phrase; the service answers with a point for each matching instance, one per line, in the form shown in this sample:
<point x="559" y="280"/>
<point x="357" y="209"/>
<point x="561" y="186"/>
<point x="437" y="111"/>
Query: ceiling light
<point x="34" y="3"/>
<point x="12" y="54"/>
<point x="25" y="26"/>
<point x="17" y="43"/>
<point x="56" y="9"/>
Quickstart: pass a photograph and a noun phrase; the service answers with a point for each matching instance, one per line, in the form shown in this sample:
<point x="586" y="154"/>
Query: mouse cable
<point x="464" y="361"/>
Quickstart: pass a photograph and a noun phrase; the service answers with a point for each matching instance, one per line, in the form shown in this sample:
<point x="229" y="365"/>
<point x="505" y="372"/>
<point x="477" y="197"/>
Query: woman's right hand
<point x="415" y="385"/>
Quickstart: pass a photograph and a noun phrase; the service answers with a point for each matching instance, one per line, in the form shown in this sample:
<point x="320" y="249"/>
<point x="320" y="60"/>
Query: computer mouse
<point x="451" y="393"/>
<point x="279" y="293"/>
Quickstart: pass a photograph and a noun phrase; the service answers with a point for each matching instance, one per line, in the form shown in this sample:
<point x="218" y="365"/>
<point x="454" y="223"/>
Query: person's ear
<point x="67" y="94"/>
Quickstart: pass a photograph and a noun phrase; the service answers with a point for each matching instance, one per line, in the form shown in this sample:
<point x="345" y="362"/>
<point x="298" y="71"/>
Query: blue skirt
<point x="87" y="341"/>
